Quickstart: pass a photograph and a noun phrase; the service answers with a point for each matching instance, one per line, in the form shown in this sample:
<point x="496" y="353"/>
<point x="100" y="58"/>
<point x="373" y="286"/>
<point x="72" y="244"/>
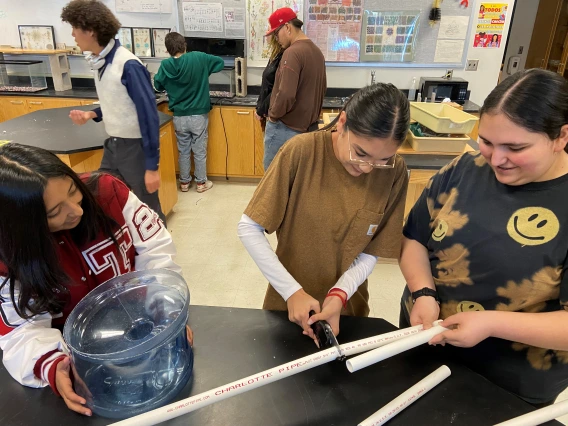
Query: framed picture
<point x="158" y="42"/>
<point x="125" y="37"/>
<point x="142" y="42"/>
<point x="37" y="37"/>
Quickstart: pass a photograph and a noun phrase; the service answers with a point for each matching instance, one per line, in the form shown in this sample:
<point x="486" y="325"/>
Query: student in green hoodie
<point x="185" y="76"/>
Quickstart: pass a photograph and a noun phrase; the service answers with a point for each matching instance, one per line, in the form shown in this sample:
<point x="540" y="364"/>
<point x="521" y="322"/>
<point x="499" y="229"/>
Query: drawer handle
<point x="243" y="112"/>
<point x="16" y="102"/>
<point x="36" y="103"/>
<point x="162" y="134"/>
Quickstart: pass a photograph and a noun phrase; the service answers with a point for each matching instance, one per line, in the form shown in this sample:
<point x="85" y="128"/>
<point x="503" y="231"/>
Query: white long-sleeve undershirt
<point x="254" y="239"/>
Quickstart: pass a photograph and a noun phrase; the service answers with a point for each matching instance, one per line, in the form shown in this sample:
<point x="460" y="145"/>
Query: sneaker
<point x="202" y="187"/>
<point x="184" y="186"/>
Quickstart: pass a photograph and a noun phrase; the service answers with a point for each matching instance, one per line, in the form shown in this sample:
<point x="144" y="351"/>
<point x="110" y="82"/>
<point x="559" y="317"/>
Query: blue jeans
<point x="275" y="135"/>
<point x="191" y="132"/>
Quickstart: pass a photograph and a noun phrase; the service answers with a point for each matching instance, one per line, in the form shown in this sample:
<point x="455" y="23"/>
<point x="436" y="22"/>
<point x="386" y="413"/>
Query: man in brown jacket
<point x="299" y="87"/>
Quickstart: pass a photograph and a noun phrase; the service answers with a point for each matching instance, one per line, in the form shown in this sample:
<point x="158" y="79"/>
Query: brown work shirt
<point x="324" y="217"/>
<point x="299" y="88"/>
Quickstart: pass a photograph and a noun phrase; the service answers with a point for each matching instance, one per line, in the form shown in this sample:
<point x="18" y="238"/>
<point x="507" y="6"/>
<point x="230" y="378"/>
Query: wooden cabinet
<point x="88" y="161"/>
<point x="235" y="144"/>
<point x="168" y="187"/>
<point x="549" y="42"/>
<point x="216" y="144"/>
<point x="258" y="149"/>
<point x="16" y="106"/>
<point x="36" y="104"/>
<point x="239" y="126"/>
<point x="12" y="107"/>
<point x="418" y="181"/>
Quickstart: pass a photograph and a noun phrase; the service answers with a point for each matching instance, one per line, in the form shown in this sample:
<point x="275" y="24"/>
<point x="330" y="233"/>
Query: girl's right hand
<point x="299" y="306"/>
<point x="425" y="311"/>
<point x="65" y="388"/>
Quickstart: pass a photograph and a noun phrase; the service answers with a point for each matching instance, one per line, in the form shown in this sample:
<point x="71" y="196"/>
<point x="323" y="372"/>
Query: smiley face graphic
<point x="468" y="306"/>
<point x="533" y="226"/>
<point x="440" y="230"/>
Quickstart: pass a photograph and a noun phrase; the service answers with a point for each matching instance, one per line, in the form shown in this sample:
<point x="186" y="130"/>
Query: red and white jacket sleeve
<point x="31" y="349"/>
<point x="154" y="246"/>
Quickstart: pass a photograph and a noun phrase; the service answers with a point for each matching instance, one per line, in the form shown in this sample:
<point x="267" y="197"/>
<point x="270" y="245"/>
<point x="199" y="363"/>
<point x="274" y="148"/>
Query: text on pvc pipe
<point x="400" y="407"/>
<point x="379" y="340"/>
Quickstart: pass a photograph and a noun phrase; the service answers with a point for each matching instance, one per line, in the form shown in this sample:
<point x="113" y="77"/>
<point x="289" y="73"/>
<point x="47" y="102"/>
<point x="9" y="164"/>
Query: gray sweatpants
<point x="125" y="159"/>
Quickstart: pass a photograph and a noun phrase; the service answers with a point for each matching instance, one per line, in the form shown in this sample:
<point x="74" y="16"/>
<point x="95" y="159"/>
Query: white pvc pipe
<point x="380" y="354"/>
<point x="540" y="416"/>
<point x="406" y="398"/>
<point x="268" y="376"/>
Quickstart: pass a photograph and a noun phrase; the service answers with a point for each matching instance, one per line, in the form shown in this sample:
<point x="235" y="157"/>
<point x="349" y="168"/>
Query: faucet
<point x="372" y="76"/>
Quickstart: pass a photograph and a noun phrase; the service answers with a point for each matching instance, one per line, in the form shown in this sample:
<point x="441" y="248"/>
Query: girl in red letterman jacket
<point x="60" y="237"/>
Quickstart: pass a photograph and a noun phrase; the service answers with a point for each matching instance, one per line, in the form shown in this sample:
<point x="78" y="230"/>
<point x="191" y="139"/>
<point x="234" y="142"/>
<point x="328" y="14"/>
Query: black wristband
<point x="426" y="291"/>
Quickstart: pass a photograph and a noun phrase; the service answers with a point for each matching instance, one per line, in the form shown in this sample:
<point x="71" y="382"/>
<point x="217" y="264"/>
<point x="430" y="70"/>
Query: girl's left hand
<point x="330" y="312"/>
<point x="467" y="329"/>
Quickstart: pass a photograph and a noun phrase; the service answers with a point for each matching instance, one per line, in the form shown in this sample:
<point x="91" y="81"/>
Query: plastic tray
<point x="442" y="118"/>
<point x="437" y="144"/>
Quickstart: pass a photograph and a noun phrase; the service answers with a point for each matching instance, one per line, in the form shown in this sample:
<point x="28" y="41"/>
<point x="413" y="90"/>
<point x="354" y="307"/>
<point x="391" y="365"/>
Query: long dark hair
<point x="534" y="99"/>
<point x="377" y="111"/>
<point x="27" y="247"/>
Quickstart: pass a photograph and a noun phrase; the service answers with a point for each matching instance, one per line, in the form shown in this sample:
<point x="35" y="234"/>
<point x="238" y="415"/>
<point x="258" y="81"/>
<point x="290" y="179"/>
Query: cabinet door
<point x="36" y="104"/>
<point x="168" y="186"/>
<point x="417" y="182"/>
<point x="258" y="149"/>
<point x="13" y="107"/>
<point x="240" y="136"/>
<point x="217" y="143"/>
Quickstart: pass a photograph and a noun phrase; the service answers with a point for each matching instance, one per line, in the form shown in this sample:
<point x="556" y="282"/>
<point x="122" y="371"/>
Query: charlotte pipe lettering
<point x="243" y="384"/>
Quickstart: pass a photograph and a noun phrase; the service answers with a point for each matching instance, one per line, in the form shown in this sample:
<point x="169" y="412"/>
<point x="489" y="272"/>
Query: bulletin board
<point x="213" y="18"/>
<point x="339" y="28"/>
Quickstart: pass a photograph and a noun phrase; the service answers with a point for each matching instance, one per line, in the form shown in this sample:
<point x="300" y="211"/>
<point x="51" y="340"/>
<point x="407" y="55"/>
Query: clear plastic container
<point x="442" y="118"/>
<point x="128" y="343"/>
<point x="22" y="76"/>
<point x="222" y="84"/>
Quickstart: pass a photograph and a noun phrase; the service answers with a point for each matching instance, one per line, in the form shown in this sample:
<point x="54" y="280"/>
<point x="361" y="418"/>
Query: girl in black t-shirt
<point x="485" y="247"/>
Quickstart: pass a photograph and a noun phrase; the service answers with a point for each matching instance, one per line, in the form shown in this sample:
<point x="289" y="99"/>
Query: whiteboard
<point x="144" y="6"/>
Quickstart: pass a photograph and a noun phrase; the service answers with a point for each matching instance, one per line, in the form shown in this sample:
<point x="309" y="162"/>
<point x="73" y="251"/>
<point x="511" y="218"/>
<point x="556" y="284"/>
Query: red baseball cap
<point x="280" y="17"/>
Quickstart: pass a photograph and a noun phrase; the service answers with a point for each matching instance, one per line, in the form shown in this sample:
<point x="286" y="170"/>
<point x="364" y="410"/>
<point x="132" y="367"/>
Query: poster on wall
<point x="490" y="23"/>
<point x="335" y="27"/>
<point x="203" y="17"/>
<point x="235" y="22"/>
<point x="159" y="42"/>
<point x="144" y="6"/>
<point x="259" y="11"/>
<point x="389" y="36"/>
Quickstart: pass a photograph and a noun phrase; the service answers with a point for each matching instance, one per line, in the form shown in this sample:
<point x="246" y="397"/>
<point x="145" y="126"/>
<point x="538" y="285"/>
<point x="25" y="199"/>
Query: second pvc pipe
<point x="387" y="351"/>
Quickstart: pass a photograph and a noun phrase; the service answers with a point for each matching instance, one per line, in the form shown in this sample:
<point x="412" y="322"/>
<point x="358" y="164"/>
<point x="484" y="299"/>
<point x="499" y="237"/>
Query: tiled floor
<point x="221" y="273"/>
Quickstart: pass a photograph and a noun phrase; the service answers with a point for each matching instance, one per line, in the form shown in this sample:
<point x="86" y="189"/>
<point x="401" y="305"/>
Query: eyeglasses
<point x="386" y="164"/>
<point x="275" y="33"/>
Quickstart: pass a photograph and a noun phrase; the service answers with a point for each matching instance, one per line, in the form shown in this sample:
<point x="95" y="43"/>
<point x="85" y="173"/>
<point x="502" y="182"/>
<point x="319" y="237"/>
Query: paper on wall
<point x="234" y="22"/>
<point x="203" y="17"/>
<point x="144" y="6"/>
<point x="449" y="51"/>
<point x="453" y="27"/>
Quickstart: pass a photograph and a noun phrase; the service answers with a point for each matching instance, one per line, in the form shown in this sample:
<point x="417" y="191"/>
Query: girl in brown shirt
<point x="336" y="200"/>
